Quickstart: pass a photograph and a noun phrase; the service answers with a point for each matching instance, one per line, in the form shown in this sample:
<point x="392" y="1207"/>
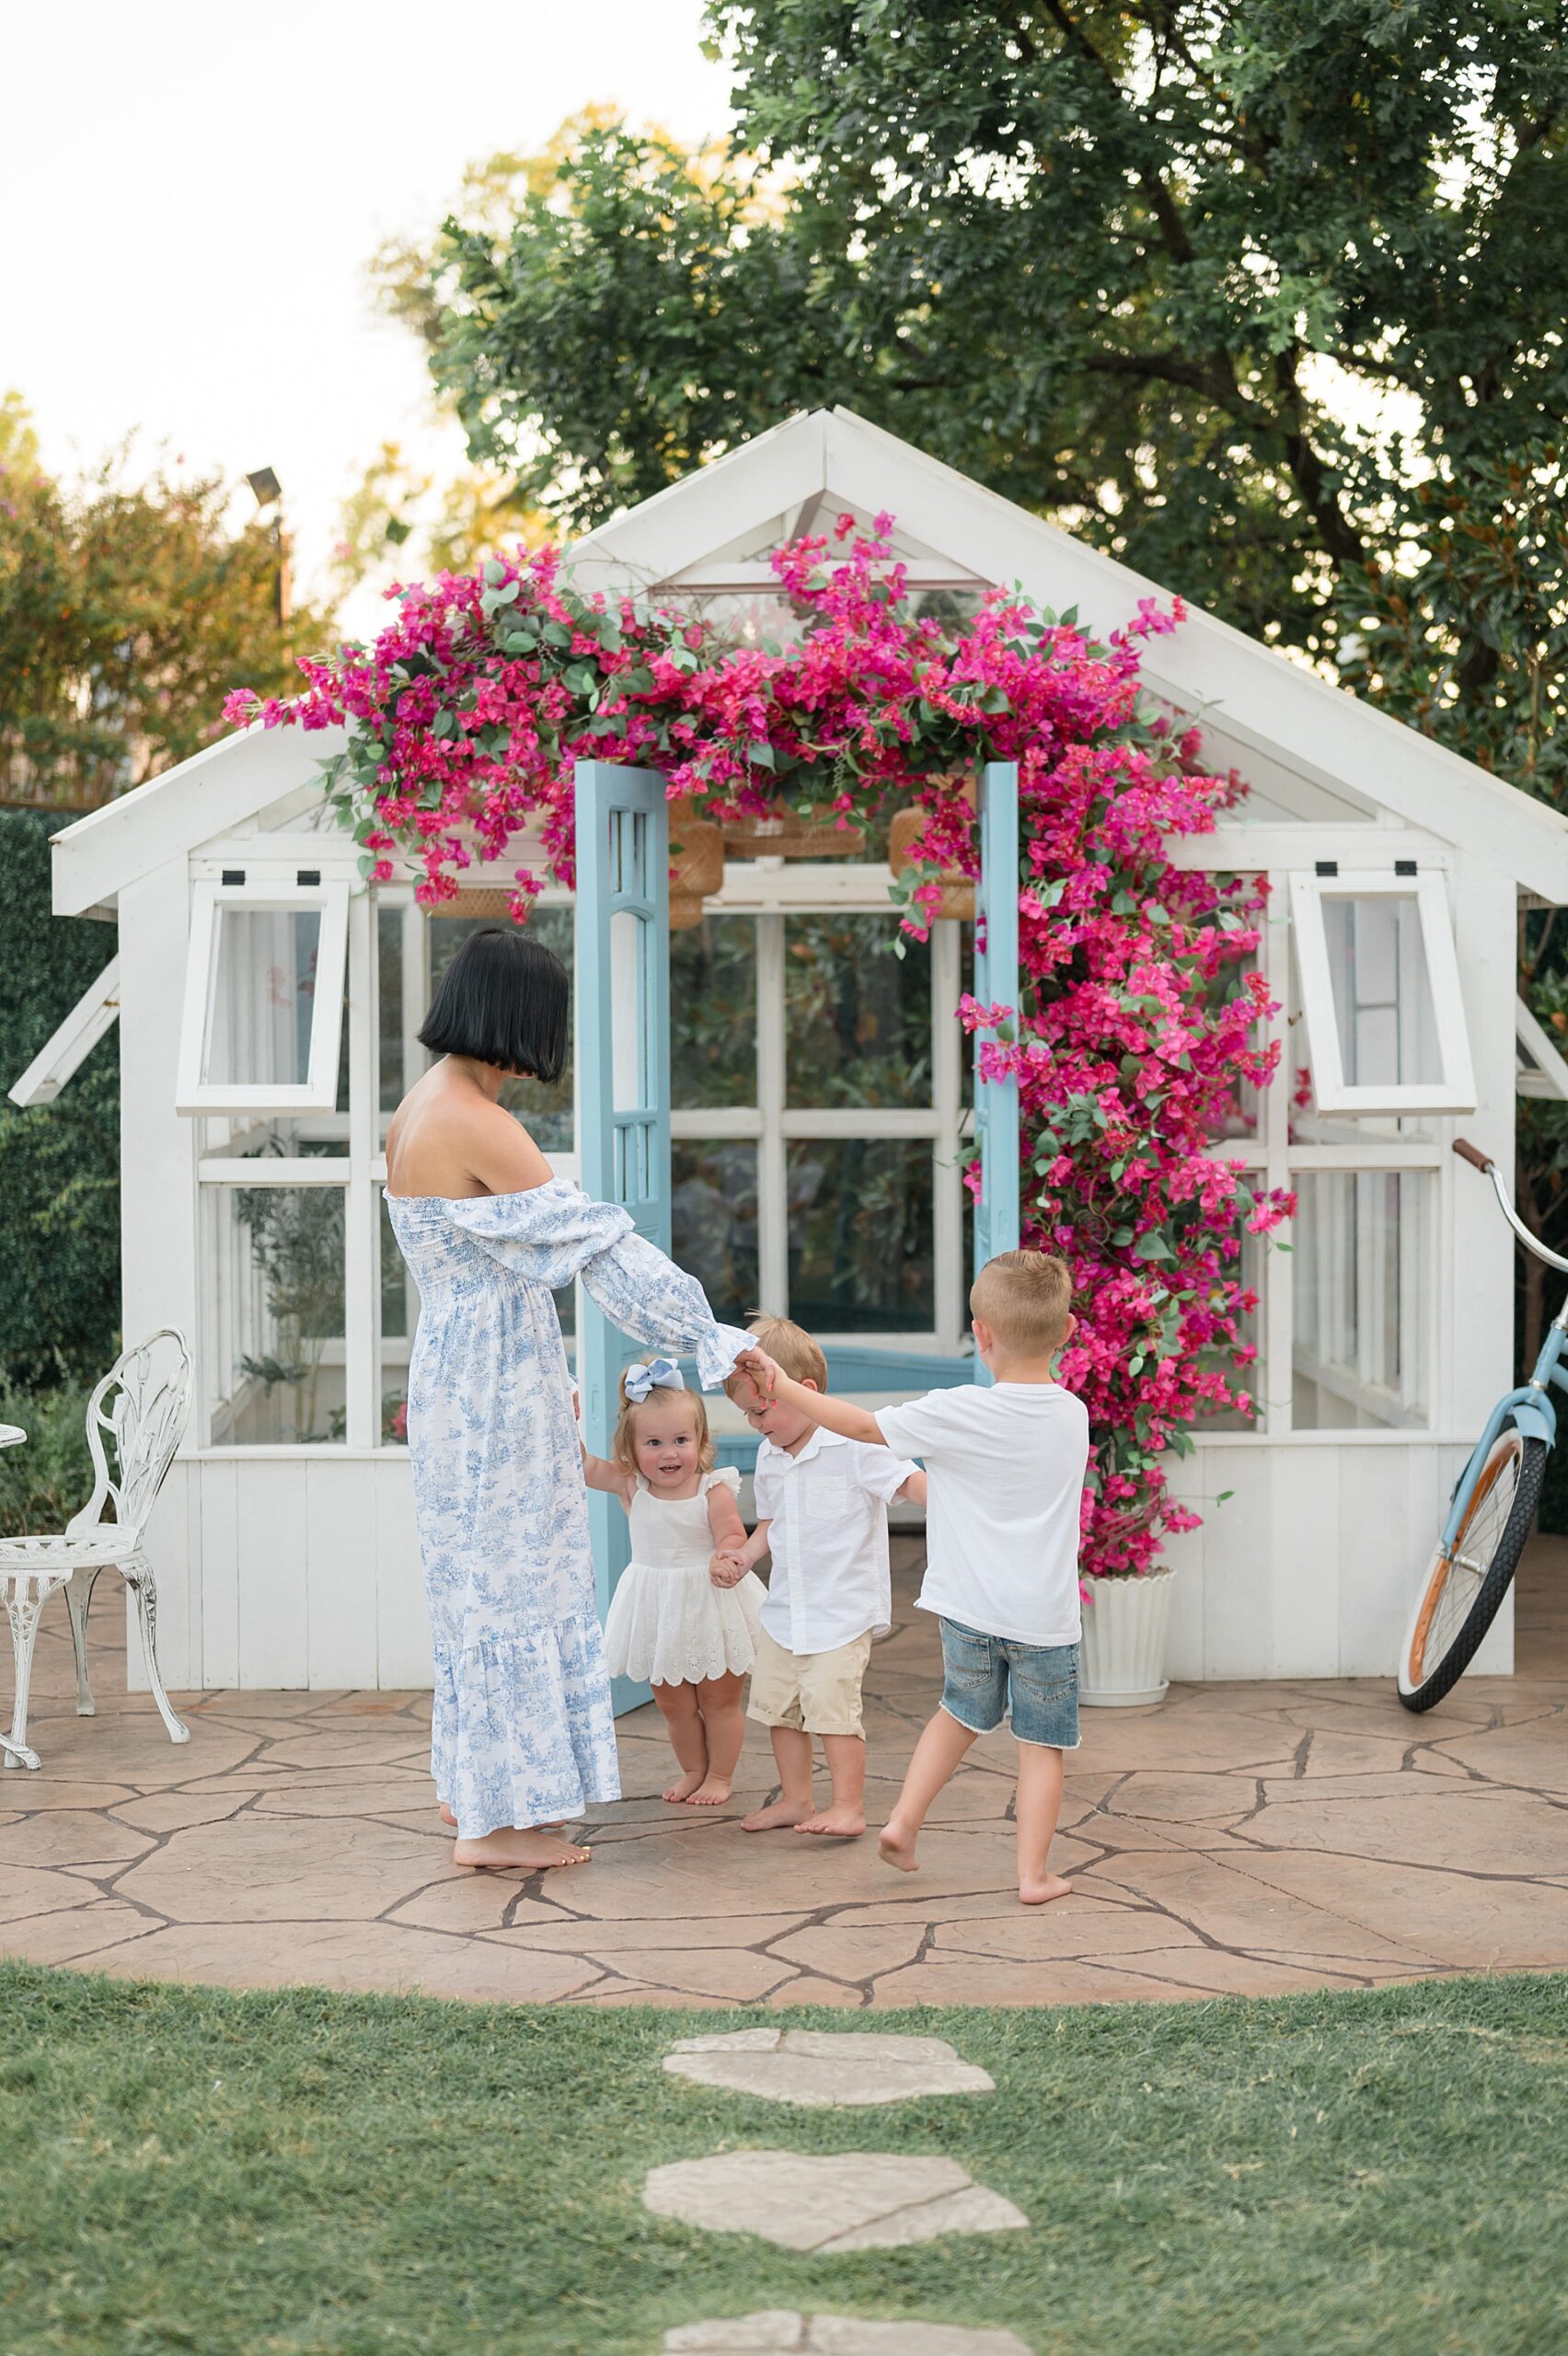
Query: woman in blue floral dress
<point x="522" y="1736"/>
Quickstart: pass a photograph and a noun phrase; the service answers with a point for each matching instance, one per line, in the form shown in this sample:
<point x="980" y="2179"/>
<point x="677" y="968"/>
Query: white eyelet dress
<point x="667" y="1624"/>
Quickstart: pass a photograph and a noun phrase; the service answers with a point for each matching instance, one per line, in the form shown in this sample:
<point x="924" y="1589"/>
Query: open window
<point x="1539" y="1066"/>
<point x="1380" y="993"/>
<point x="263" y="1012"/>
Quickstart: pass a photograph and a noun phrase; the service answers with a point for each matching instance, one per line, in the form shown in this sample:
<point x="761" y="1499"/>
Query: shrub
<point x="49" y="1476"/>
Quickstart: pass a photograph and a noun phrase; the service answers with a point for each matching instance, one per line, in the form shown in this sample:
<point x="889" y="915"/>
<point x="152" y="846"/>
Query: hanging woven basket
<point x="483" y="901"/>
<point x="958" y="889"/>
<point x="784" y="835"/>
<point x="697" y="869"/>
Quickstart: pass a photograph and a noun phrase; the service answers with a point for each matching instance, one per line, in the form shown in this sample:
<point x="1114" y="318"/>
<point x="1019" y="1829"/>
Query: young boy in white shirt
<point x="1005" y="1465"/>
<point x="822" y="1500"/>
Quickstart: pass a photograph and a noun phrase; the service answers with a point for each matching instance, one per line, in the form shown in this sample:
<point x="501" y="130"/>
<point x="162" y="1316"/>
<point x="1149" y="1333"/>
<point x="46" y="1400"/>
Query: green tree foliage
<point x="60" y="1163"/>
<point x="127" y="612"/>
<point x="1266" y="297"/>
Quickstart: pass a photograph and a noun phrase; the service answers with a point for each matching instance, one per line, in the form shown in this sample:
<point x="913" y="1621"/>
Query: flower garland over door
<point x="1139" y="1027"/>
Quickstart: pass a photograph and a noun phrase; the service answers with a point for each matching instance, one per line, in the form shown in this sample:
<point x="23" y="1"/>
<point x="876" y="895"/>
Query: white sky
<point x="191" y="192"/>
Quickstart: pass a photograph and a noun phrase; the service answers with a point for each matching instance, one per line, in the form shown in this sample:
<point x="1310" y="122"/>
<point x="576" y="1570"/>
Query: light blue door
<point x="996" y="984"/>
<point x="623" y="1067"/>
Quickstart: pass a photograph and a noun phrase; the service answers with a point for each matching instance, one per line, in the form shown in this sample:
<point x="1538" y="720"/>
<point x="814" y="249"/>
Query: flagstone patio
<point x="1246" y="1837"/>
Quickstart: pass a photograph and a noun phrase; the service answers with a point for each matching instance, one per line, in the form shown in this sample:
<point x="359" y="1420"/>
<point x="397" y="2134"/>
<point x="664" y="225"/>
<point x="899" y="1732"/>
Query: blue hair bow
<point x="662" y="1374"/>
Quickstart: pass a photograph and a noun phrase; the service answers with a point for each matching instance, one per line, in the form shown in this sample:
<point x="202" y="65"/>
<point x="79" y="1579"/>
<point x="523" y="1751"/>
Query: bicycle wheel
<point x="1461" y="1592"/>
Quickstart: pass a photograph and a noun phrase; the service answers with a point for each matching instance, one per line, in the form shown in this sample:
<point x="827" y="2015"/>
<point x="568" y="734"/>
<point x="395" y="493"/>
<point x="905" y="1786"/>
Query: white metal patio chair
<point x="136" y="1418"/>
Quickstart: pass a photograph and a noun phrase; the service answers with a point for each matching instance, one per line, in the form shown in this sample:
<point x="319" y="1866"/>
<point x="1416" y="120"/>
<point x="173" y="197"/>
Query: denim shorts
<point x="985" y="1677"/>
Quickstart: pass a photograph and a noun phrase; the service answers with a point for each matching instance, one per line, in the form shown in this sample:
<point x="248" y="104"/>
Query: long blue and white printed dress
<point x="521" y="1730"/>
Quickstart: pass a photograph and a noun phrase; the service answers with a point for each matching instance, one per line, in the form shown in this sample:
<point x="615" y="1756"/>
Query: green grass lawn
<point x="301" y="2173"/>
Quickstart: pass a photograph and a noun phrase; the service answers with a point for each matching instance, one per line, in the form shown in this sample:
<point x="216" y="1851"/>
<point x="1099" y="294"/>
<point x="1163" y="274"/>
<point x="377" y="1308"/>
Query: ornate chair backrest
<point x="136" y="1420"/>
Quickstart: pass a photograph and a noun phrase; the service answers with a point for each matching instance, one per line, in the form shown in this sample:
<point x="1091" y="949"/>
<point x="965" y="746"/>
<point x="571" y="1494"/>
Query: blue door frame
<point x="995" y="984"/>
<point x="623" y="1082"/>
<point x="623" y="1114"/>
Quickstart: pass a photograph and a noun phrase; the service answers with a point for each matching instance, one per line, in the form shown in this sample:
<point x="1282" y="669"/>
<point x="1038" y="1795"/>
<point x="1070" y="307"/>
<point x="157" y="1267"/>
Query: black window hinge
<point x="309" y="875"/>
<point x="1327" y="867"/>
<point x="234" y="875"/>
<point x="1404" y="867"/>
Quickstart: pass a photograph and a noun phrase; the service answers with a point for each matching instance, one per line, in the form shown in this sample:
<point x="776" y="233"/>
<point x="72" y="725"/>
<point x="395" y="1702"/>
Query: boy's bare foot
<point x="839" y="1823"/>
<point x="684" y="1788"/>
<point x="1049" y="1886"/>
<point x="896" y="1847"/>
<point x="777" y="1817"/>
<point x="712" y="1792"/>
<point x="531" y="1849"/>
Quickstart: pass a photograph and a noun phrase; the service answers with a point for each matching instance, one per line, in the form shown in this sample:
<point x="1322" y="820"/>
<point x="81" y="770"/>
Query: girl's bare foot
<point x="513" y="1845"/>
<point x="839" y="1823"/>
<point x="896" y="1847"/>
<point x="776" y="1815"/>
<point x="447" y="1816"/>
<point x="712" y="1792"/>
<point x="683" y="1789"/>
<point x="1049" y="1886"/>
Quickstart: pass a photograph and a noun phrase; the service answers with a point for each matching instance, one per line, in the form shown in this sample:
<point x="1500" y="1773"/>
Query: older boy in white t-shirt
<point x="822" y="1504"/>
<point x="1005" y="1465"/>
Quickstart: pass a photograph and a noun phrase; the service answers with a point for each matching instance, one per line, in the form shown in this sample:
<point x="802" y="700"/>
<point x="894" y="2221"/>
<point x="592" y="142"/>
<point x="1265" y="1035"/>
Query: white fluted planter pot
<point x="1122" y="1656"/>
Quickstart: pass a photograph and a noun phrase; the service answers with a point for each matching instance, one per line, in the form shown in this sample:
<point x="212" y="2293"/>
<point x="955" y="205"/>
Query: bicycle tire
<point x="1423" y="1694"/>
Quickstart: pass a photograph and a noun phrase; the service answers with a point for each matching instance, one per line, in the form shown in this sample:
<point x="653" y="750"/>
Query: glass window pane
<point x="263" y="996"/>
<point x="1217" y="1358"/>
<point x="545" y="1111"/>
<point x="1361" y="1281"/>
<point x="1383" y="1012"/>
<point x="713" y="1013"/>
<point x="399" y="1323"/>
<point x="251" y="1136"/>
<point x="858" y="1017"/>
<point x="713" y="1223"/>
<point x="396" y="965"/>
<point x="273" y="1269"/>
<point x="860" y="1235"/>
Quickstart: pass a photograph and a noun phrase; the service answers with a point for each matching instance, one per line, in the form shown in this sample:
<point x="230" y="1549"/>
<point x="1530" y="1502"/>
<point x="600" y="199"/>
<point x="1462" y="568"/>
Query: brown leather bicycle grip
<point x="1472" y="1154"/>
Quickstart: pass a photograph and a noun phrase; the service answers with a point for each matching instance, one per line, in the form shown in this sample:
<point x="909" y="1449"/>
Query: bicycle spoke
<point x="1481" y="1536"/>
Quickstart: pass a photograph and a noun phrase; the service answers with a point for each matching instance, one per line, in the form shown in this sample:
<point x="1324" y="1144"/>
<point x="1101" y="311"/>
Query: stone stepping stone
<point x="780" y="2331"/>
<point x="849" y="2201"/>
<point x="826" y="2069"/>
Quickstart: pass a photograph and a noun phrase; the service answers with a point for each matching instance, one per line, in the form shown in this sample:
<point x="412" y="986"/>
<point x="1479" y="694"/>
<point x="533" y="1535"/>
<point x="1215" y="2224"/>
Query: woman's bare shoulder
<point x="447" y="1137"/>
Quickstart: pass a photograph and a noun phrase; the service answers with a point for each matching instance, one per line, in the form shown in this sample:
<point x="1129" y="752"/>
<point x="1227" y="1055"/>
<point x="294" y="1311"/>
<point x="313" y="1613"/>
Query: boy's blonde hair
<point x="622" y="1447"/>
<point x="1024" y="1297"/>
<point x="792" y="1348"/>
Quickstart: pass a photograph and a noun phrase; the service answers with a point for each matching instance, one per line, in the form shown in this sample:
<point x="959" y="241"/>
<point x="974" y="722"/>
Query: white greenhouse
<point x="256" y="1094"/>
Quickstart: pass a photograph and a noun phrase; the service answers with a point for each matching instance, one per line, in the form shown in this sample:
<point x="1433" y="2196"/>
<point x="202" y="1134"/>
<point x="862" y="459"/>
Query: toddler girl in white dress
<point x="680" y="1617"/>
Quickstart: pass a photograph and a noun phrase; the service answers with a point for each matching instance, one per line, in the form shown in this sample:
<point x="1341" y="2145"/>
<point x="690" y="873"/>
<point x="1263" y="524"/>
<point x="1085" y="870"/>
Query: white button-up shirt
<point x="827" y="1512"/>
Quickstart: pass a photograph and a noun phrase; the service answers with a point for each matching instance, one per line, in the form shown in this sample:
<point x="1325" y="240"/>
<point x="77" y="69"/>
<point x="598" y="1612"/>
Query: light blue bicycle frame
<point x="1530" y="1409"/>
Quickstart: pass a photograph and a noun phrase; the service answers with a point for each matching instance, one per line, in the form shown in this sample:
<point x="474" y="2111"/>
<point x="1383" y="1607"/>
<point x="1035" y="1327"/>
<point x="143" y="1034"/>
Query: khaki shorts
<point x="817" y="1692"/>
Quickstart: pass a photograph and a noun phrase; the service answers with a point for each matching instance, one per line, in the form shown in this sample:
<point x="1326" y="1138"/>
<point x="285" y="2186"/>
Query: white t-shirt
<point x="826" y="1508"/>
<point x="1006" y="1466"/>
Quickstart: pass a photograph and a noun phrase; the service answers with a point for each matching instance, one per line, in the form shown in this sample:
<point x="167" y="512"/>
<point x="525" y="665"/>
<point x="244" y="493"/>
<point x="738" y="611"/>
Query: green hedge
<point x="60" y="1163"/>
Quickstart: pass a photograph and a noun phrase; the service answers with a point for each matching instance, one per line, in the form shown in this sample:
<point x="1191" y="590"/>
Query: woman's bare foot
<point x="776" y="1815"/>
<point x="552" y="1824"/>
<point x="896" y="1847"/>
<point x="513" y="1845"/>
<point x="1049" y="1886"/>
<point x="683" y="1789"/>
<point x="712" y="1792"/>
<point x="839" y="1823"/>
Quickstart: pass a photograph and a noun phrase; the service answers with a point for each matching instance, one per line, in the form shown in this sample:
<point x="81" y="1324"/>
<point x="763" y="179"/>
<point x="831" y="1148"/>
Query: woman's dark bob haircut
<point x="502" y="1000"/>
